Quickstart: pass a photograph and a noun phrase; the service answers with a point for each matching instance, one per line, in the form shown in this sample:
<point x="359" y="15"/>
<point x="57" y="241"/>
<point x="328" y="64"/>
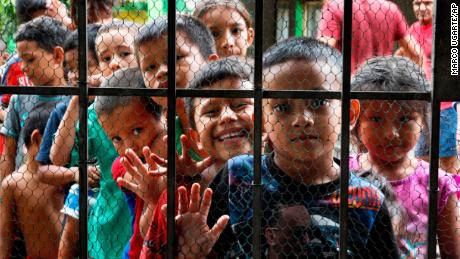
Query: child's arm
<point x="69" y="241"/>
<point x="449" y="229"/>
<point x="65" y="135"/>
<point x="7" y="159"/>
<point x="6" y="219"/>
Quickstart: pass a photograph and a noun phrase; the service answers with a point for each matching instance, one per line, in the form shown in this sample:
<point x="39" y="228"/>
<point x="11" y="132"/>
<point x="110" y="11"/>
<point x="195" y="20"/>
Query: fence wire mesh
<point x="225" y="129"/>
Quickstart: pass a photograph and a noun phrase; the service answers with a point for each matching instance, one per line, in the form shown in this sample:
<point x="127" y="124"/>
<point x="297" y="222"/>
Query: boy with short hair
<point x="194" y="47"/>
<point x="224" y="125"/>
<point x="28" y="204"/>
<point x="301" y="168"/>
<point x="39" y="44"/>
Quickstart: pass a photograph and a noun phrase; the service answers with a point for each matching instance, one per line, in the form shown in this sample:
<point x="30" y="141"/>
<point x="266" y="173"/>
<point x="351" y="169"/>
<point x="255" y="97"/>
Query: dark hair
<point x="71" y="42"/>
<point x="307" y="49"/>
<point x="33" y="122"/>
<point x="392" y="74"/>
<point x="26" y="8"/>
<point x="97" y="10"/>
<point x="45" y="31"/>
<point x="196" y="31"/>
<point x="202" y="7"/>
<point x="124" y="78"/>
<point x="212" y="72"/>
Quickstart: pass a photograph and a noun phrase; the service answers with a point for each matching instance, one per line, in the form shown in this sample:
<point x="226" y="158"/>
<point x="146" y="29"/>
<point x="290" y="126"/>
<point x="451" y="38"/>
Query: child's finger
<point x="195" y="198"/>
<point x="136" y="162"/>
<point x="158" y="160"/>
<point x="206" y="203"/>
<point x="128" y="185"/>
<point x="130" y="168"/>
<point x="183" y="201"/>
<point x="205" y="163"/>
<point x="147" y="154"/>
<point x="219" y="227"/>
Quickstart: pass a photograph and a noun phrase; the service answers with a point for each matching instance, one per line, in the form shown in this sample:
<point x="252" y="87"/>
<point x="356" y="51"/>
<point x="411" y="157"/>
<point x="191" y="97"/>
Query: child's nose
<point x="391" y="132"/>
<point x="114" y="64"/>
<point x="303" y="119"/>
<point x="228" y="41"/>
<point x="162" y="73"/>
<point x="228" y="115"/>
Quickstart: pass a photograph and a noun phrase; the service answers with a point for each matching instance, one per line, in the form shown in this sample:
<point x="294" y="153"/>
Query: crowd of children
<point x="127" y="142"/>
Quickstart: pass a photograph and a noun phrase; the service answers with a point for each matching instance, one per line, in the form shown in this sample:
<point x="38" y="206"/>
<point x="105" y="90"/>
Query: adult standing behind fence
<point x="377" y="25"/>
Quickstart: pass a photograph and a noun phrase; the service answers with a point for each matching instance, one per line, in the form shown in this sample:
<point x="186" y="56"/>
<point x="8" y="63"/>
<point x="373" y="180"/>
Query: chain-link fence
<point x="274" y="111"/>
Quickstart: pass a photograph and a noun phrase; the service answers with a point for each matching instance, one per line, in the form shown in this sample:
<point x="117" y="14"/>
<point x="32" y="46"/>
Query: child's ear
<point x="213" y="57"/>
<point x="58" y="53"/>
<point x="251" y="36"/>
<point x="269" y="235"/>
<point x="355" y="109"/>
<point x="36" y="137"/>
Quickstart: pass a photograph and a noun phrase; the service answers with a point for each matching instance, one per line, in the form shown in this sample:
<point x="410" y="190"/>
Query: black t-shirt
<point x="370" y="233"/>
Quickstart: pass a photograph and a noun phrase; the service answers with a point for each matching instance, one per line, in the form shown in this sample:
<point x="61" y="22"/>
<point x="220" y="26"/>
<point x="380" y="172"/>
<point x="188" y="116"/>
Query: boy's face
<point x="230" y="31"/>
<point x="38" y="64"/>
<point x="134" y="127"/>
<point x="225" y="125"/>
<point x="71" y="61"/>
<point x="388" y="130"/>
<point x="115" y="50"/>
<point x="423" y="10"/>
<point x="302" y="129"/>
<point x="153" y="61"/>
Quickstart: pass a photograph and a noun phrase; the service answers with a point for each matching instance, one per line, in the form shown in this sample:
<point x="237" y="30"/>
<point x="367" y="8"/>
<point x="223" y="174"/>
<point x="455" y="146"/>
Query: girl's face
<point x="388" y="129"/>
<point x="115" y="50"/>
<point x="232" y="35"/>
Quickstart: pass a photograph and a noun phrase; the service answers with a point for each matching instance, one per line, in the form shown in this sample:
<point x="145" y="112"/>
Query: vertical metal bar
<point x="83" y="132"/>
<point x="345" y="137"/>
<point x="292" y="20"/>
<point x="257" y="187"/>
<point x="171" y="127"/>
<point x="434" y="150"/>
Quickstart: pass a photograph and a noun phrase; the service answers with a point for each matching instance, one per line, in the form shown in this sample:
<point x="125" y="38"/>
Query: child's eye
<point x="215" y="34"/>
<point x="404" y="119"/>
<point x="106" y="59"/>
<point x="376" y="119"/>
<point x="137" y="131"/>
<point x="151" y="68"/>
<point x="125" y="54"/>
<point x="211" y="112"/>
<point x="239" y="106"/>
<point x="236" y="31"/>
<point x="318" y="103"/>
<point x="116" y="139"/>
<point x="284" y="107"/>
<point x="179" y="57"/>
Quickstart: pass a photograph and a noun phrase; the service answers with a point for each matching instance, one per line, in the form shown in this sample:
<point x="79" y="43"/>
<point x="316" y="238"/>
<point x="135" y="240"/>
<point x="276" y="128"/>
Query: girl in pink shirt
<point x="386" y="131"/>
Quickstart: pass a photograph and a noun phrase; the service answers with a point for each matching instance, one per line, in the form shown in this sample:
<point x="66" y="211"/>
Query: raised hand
<point x="146" y="180"/>
<point x="195" y="238"/>
<point x="185" y="165"/>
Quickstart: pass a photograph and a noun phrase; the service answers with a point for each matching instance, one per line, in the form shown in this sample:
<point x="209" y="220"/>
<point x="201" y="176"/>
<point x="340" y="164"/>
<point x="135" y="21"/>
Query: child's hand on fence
<point x="147" y="180"/>
<point x="93" y="176"/>
<point x="195" y="238"/>
<point x="185" y="165"/>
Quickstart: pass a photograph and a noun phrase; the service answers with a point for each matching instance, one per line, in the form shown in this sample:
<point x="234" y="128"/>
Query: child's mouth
<point x="232" y="135"/>
<point x="303" y="137"/>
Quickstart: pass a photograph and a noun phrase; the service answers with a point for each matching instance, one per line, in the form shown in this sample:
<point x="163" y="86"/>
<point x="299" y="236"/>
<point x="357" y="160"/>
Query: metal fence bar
<point x="83" y="131"/>
<point x="434" y="150"/>
<point x="257" y="186"/>
<point x="345" y="140"/>
<point x="171" y="253"/>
